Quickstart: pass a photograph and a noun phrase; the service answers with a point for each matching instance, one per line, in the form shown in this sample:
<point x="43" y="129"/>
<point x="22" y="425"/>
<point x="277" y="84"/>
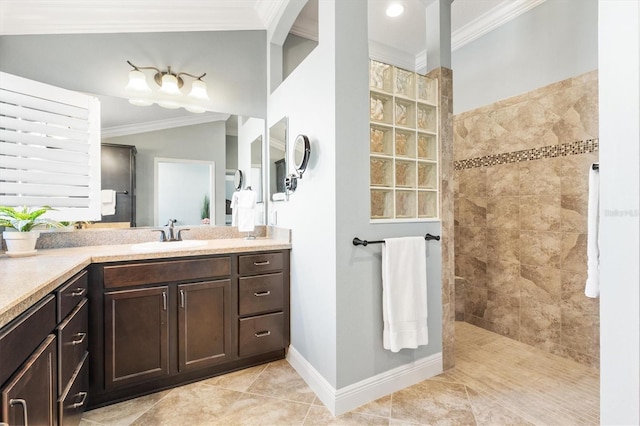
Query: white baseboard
<point x="342" y="400"/>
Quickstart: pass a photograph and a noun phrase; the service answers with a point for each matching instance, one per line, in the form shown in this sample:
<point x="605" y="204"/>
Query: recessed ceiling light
<point x="395" y="9"/>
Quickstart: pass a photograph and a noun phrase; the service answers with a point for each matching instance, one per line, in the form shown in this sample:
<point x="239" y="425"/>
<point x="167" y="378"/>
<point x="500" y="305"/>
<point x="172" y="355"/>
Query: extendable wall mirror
<point x="238" y="180"/>
<point x="301" y="154"/>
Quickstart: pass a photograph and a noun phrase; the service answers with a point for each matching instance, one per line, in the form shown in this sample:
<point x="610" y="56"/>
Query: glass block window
<point x="403" y="154"/>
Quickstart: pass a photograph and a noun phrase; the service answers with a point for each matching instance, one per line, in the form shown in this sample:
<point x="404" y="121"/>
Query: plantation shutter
<point x="49" y="149"/>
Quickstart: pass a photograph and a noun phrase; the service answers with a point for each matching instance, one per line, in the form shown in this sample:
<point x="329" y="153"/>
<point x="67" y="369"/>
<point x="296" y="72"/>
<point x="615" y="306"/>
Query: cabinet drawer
<point x="260" y="263"/>
<point x="74" y="401"/>
<point x="261" y="293"/>
<point x="72" y="343"/>
<point x="261" y="334"/>
<point x="23" y="335"/>
<point x="71" y="293"/>
<point x="165" y="272"/>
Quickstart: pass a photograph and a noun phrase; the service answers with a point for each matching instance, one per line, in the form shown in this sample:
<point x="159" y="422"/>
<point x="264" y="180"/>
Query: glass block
<point x="405" y="143"/>
<point x="381" y="141"/>
<point x="380" y="76"/>
<point x="427" y="204"/>
<point x="404" y="83"/>
<point x="427" y="118"/>
<point x="405" y="113"/>
<point x="381" y="204"/>
<point x="405" y="204"/>
<point x="427" y="175"/>
<point x="427" y="89"/>
<point x="381" y="108"/>
<point x="405" y="174"/>
<point x="381" y="172"/>
<point x="427" y="147"/>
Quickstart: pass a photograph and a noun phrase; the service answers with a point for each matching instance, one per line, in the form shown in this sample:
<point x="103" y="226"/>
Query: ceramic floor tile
<point x="238" y="380"/>
<point x="260" y="410"/>
<point x="320" y="416"/>
<point x="496" y="381"/>
<point x="123" y="413"/>
<point x="192" y="404"/>
<point x="433" y="402"/>
<point x="280" y="380"/>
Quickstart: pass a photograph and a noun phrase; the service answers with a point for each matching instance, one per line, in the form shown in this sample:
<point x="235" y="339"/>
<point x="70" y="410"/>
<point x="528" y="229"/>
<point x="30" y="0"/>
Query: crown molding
<point x="112" y="16"/>
<point x="269" y="11"/>
<point x="392" y="56"/>
<point x="151" y="126"/>
<point x="491" y="20"/>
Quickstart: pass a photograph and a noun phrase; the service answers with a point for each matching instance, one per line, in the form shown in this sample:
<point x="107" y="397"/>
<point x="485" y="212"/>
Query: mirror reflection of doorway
<point x="180" y="190"/>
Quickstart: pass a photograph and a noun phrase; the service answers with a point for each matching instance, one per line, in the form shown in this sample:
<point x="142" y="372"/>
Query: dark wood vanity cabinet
<point x="43" y="359"/>
<point x="160" y="323"/>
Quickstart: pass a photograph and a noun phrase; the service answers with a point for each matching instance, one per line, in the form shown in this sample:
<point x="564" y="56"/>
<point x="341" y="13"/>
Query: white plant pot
<point x="20" y="244"/>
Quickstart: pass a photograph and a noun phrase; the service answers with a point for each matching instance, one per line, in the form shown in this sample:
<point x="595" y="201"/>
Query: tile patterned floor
<point x="496" y="381"/>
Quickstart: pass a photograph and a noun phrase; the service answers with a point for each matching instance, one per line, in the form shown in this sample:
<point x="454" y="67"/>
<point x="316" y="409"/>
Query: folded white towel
<point x="404" y="293"/>
<point x="108" y="200"/>
<point x="592" y="286"/>
<point x="243" y="205"/>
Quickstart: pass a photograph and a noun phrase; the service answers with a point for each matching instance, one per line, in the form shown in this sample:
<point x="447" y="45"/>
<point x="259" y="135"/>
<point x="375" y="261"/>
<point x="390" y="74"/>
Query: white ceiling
<point x="402" y="38"/>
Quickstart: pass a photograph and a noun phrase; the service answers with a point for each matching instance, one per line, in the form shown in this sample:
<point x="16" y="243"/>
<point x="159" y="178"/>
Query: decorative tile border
<point x="562" y="150"/>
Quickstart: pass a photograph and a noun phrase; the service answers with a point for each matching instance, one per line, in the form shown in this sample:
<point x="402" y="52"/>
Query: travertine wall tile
<point x="521" y="195"/>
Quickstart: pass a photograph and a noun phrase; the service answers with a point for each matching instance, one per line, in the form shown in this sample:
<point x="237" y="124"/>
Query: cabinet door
<point x="136" y="335"/>
<point x="30" y="396"/>
<point x="204" y="324"/>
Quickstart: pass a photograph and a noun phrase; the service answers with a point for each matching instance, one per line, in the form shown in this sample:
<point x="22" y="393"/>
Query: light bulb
<point x="199" y="90"/>
<point x="137" y="82"/>
<point x="169" y="104"/>
<point x="395" y="9"/>
<point x="170" y="85"/>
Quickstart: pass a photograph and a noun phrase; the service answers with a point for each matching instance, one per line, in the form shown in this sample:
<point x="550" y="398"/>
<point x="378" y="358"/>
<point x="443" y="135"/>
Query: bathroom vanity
<point x="88" y="326"/>
<point x="157" y="324"/>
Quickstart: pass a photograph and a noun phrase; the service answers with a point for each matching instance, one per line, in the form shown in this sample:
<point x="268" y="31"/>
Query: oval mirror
<point x="238" y="180"/>
<point x="301" y="152"/>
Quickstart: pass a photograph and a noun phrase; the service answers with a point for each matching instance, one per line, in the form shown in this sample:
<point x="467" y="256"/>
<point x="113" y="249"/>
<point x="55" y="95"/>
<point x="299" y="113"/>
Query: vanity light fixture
<point x="395" y="9"/>
<point x="169" y="94"/>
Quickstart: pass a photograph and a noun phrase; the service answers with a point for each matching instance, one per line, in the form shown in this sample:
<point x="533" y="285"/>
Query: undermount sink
<point x="167" y="245"/>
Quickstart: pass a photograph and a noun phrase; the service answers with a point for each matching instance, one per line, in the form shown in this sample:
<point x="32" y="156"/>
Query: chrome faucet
<point x="170" y="233"/>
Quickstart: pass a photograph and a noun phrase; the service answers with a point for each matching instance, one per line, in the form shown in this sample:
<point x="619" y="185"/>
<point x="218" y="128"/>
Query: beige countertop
<point x="24" y="281"/>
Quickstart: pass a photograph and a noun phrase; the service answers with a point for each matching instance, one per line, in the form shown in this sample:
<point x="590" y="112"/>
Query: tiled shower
<point x="521" y="189"/>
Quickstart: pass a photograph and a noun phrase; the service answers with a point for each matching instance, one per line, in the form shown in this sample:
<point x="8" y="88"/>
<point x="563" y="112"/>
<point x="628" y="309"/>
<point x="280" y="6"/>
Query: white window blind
<point x="49" y="149"/>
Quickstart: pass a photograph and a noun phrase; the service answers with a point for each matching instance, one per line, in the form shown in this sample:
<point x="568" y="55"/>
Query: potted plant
<point x="20" y="235"/>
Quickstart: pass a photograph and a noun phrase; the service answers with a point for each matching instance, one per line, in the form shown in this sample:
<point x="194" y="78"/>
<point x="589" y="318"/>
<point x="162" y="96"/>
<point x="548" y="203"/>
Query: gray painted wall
<point x="336" y="288"/>
<point x="199" y="142"/>
<point x="554" y="41"/>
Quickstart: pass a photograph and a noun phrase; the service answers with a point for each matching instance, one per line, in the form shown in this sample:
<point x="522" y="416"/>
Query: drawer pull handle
<point x="182" y="298"/>
<point x="266" y="262"/>
<point x="262" y="293"/>
<point x="78" y="292"/>
<point x="22" y="402"/>
<point x="262" y="334"/>
<point x="83" y="396"/>
<point x="81" y="336"/>
<point x="164" y="301"/>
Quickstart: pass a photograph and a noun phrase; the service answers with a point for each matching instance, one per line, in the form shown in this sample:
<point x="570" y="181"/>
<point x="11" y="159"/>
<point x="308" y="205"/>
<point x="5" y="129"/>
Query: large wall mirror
<point x="277" y="159"/>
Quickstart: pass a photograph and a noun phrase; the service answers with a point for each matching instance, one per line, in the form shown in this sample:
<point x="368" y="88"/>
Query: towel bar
<point x="358" y="242"/>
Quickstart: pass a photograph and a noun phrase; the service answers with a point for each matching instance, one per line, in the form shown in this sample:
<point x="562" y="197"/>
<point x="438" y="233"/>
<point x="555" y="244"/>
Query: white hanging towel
<point x="404" y="293"/>
<point x="592" y="287"/>
<point x="108" y="202"/>
<point x="243" y="205"/>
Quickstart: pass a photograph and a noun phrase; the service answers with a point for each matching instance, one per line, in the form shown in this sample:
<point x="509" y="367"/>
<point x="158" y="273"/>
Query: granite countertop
<point x="24" y="281"/>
